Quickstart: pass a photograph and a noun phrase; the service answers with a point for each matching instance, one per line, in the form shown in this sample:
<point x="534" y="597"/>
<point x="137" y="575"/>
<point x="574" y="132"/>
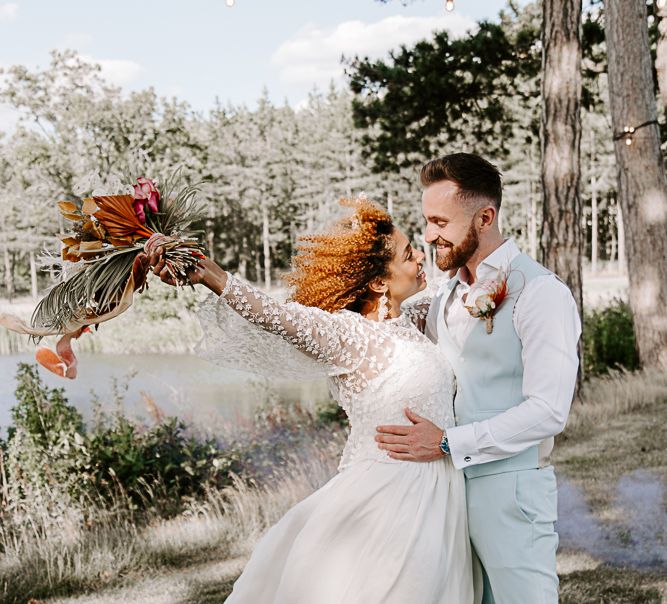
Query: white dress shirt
<point x="547" y="322"/>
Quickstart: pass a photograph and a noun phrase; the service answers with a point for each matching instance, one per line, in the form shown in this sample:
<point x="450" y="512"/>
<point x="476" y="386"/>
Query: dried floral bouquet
<point x="103" y="261"/>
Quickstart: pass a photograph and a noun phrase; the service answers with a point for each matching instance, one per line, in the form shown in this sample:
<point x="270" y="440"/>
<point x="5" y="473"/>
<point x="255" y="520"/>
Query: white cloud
<point x="120" y="72"/>
<point x="8" y="12"/>
<point x="76" y="41"/>
<point x="313" y="55"/>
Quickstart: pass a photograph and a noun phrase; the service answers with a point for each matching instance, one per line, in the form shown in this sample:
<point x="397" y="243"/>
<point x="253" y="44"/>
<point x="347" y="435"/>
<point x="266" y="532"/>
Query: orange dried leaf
<point x="88" y="246"/>
<point x="89" y="206"/>
<point x="117" y="214"/>
<point x="68" y="206"/>
<point x="51" y="361"/>
<point x="95" y="229"/>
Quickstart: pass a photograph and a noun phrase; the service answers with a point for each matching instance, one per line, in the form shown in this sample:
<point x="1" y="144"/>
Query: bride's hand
<point x="205" y="272"/>
<point x="158" y="262"/>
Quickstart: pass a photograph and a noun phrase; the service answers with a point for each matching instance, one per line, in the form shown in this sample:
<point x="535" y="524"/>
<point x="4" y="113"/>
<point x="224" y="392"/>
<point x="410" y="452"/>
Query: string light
<point x="229" y="3"/>
<point x="629" y="131"/>
<point x="661" y="3"/>
<point x="449" y="5"/>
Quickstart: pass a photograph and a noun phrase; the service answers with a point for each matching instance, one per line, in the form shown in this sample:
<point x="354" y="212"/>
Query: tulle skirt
<point x="376" y="533"/>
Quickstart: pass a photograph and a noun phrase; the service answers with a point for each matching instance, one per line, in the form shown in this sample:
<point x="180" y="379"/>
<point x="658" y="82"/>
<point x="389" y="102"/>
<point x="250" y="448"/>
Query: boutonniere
<point x="485" y="297"/>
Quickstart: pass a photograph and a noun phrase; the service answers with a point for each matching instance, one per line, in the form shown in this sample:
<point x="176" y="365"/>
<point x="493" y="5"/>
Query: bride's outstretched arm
<point x="337" y="340"/>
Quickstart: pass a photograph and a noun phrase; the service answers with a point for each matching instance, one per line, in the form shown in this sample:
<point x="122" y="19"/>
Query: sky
<point x="200" y="50"/>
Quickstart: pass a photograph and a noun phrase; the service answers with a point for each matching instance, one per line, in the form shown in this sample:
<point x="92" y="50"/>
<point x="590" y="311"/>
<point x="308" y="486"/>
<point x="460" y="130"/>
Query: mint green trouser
<point x="511" y="520"/>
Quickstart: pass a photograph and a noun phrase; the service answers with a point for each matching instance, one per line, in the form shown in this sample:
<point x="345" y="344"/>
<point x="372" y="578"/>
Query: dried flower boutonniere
<point x="485" y="297"/>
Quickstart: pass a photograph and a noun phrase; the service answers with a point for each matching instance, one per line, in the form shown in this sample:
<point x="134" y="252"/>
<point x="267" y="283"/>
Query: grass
<point x="620" y="428"/>
<point x="123" y="562"/>
<point x="605" y="585"/>
<point x="195" y="557"/>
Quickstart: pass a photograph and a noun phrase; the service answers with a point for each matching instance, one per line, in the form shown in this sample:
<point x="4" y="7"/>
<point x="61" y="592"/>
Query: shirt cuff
<point x="463" y="446"/>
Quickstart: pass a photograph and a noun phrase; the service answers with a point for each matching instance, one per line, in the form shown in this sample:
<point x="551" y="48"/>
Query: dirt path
<point x="201" y="584"/>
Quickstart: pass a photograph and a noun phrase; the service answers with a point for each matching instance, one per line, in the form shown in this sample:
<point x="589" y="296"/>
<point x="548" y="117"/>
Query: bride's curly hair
<point x="333" y="270"/>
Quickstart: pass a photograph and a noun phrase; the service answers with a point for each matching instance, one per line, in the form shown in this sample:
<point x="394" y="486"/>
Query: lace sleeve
<point x="246" y="329"/>
<point x="417" y="311"/>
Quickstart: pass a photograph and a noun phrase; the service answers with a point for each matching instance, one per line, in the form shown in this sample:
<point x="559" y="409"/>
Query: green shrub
<point x="609" y="339"/>
<point x="160" y="465"/>
<point x="329" y="412"/>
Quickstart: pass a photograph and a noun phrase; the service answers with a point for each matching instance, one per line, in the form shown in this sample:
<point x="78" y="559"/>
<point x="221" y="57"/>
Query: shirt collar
<point x="499" y="258"/>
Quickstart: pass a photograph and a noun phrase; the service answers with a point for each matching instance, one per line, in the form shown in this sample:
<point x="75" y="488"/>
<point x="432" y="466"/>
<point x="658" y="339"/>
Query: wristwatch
<point x="444" y="444"/>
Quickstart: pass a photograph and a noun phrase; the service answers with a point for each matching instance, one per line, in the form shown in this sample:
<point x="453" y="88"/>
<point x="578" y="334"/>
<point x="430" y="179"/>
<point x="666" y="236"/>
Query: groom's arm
<point x="548" y="325"/>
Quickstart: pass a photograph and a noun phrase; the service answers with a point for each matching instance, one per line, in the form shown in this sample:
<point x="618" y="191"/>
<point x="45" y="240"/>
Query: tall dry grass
<point x="90" y="548"/>
<point x="607" y="397"/>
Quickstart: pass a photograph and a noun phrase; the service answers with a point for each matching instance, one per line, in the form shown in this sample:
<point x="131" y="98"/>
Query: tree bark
<point x="561" y="237"/>
<point x="9" y="273"/>
<point x="560" y="137"/>
<point x="594" y="227"/>
<point x="620" y="241"/>
<point x="532" y="192"/>
<point x="661" y="52"/>
<point x="267" y="245"/>
<point x="642" y="186"/>
<point x="33" y="275"/>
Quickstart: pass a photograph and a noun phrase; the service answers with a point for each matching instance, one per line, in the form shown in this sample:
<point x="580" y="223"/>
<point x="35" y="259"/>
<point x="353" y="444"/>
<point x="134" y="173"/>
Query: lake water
<point x="181" y="385"/>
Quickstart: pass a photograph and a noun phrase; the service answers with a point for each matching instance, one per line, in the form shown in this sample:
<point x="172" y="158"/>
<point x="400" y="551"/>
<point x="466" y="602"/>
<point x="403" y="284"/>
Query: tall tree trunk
<point x="267" y="246"/>
<point x="561" y="240"/>
<point x="642" y="187"/>
<point x="594" y="225"/>
<point x="661" y="51"/>
<point x="210" y="233"/>
<point x="560" y="136"/>
<point x="594" y="210"/>
<point x="9" y="273"/>
<point x="258" y="266"/>
<point x="33" y="275"/>
<point x="620" y="229"/>
<point x="532" y="224"/>
<point x="243" y="259"/>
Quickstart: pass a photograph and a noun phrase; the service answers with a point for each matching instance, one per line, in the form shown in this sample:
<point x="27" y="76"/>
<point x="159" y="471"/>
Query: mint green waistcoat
<point x="489" y="368"/>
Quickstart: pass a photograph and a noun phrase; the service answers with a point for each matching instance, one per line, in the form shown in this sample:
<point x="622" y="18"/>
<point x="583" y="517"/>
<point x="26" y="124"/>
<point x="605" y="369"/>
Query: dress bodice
<point x="375" y="369"/>
<point x="416" y="376"/>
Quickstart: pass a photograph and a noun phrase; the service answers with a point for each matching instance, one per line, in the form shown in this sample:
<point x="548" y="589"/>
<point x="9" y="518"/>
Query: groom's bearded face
<point x="457" y="255"/>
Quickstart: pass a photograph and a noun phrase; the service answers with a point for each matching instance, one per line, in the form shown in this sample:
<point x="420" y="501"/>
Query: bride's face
<point x="406" y="273"/>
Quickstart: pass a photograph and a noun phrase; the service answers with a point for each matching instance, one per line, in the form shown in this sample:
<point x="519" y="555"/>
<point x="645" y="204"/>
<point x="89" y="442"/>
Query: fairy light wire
<point x="629" y="131"/>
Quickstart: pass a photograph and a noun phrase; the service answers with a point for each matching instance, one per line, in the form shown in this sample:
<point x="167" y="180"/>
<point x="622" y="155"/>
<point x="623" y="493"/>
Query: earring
<point x="383" y="307"/>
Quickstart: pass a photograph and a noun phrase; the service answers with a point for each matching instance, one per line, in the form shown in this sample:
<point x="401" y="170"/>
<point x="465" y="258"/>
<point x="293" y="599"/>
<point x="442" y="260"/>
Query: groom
<point x="514" y="385"/>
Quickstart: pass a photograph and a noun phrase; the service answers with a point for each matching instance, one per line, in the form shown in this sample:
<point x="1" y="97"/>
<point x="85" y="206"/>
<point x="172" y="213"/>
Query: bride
<point x="381" y="531"/>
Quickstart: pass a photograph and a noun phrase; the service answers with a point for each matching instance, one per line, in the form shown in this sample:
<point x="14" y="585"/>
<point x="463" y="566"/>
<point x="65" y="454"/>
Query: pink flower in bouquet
<point x="145" y="194"/>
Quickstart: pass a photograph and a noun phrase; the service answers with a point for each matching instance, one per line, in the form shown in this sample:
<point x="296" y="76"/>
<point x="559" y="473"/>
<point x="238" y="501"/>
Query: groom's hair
<point x="477" y="179"/>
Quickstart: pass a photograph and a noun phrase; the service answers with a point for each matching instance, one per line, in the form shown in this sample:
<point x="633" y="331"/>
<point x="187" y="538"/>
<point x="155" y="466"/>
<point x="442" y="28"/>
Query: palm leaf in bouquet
<point x="103" y="261"/>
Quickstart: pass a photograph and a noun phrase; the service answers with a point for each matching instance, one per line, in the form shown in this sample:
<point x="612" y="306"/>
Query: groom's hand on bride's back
<point x="417" y="442"/>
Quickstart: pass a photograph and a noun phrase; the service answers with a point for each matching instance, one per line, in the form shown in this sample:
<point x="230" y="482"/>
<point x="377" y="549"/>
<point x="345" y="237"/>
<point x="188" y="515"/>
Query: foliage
<point x="272" y="172"/>
<point x="329" y="413"/>
<point x="40" y="412"/>
<point x="159" y="465"/>
<point x="447" y="89"/>
<point x="609" y="339"/>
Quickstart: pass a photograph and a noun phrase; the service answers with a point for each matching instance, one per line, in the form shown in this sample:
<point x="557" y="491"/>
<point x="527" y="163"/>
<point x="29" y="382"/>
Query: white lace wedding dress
<point x="381" y="531"/>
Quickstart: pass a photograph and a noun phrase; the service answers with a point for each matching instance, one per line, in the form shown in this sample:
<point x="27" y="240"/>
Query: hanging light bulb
<point x="449" y="5"/>
<point x="629" y="131"/>
<point x="229" y="3"/>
